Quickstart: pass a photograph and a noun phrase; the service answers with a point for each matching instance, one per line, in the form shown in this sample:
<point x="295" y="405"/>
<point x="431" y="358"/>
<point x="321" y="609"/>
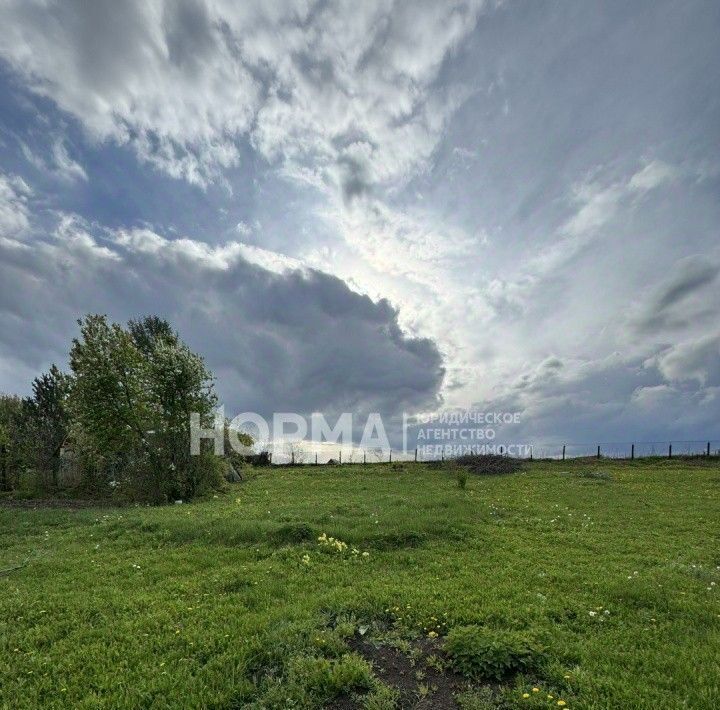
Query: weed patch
<point x="486" y="654"/>
<point x="488" y="464"/>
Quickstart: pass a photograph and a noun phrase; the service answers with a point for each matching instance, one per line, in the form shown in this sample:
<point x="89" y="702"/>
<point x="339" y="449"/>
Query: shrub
<point x="294" y="533"/>
<point x="328" y="678"/>
<point x="461" y="477"/>
<point x="487" y="464"/>
<point x="383" y="697"/>
<point x="482" y="653"/>
<point x="397" y="540"/>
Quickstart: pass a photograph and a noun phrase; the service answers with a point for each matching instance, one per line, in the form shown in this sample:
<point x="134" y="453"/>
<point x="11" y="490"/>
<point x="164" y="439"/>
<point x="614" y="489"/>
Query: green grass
<point x="232" y="602"/>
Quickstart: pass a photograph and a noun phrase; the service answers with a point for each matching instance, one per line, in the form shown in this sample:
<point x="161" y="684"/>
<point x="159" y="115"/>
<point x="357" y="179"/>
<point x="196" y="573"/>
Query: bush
<point x="485" y="654"/>
<point x="397" y="540"/>
<point x="487" y="464"/>
<point x="294" y="533"/>
<point x="326" y="678"/>
<point x="461" y="477"/>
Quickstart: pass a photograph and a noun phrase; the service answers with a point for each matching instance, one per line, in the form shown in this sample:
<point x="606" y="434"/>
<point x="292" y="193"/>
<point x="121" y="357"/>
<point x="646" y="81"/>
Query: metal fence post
<point x="632" y="452"/>
<point x="670" y="451"/>
<point x="563" y="458"/>
<point x="598" y="453"/>
<point x="708" y="449"/>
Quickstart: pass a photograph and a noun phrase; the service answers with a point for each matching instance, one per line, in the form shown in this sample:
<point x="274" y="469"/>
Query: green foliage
<point x="397" y="540"/>
<point x="488" y="464"/>
<point x="48" y="424"/>
<point x="382" y="698"/>
<point x="489" y="654"/>
<point x="461" y="477"/>
<point x="484" y="698"/>
<point x="295" y="533"/>
<point x="133" y="393"/>
<point x="12" y="440"/>
<point x="327" y="678"/>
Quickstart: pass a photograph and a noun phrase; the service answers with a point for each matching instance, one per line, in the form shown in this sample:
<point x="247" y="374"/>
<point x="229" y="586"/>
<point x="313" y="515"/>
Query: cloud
<point x="14" y="212"/>
<point x="616" y="398"/>
<point x="654" y="174"/>
<point x="57" y="162"/>
<point x="692" y="360"/>
<point x="681" y="299"/>
<point x="290" y="339"/>
<point x="184" y="82"/>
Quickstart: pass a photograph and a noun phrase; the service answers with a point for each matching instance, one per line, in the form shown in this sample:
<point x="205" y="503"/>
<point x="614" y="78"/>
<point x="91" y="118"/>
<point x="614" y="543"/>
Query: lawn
<point x="600" y="580"/>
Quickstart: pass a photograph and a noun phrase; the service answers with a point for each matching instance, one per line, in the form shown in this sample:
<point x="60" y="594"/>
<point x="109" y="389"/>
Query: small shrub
<point x="480" y="699"/>
<point x="461" y="477"/>
<point x="482" y="653"/>
<point x="382" y="698"/>
<point x="487" y="464"/>
<point x="329" y="678"/>
<point x="397" y="540"/>
<point x="294" y="533"/>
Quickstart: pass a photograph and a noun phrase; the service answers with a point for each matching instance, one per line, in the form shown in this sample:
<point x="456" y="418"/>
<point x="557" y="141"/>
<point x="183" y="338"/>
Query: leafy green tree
<point x="12" y="438"/>
<point x="48" y="423"/>
<point x="132" y="396"/>
<point x="179" y="384"/>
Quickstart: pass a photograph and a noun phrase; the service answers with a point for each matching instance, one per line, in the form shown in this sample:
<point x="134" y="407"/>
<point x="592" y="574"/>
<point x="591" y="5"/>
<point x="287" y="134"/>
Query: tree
<point x="180" y="384"/>
<point x="48" y="422"/>
<point x="131" y="400"/>
<point x="12" y="438"/>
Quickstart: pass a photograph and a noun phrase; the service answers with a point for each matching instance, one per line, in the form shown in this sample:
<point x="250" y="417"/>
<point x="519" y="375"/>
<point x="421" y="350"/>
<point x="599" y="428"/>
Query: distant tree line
<point x="119" y="422"/>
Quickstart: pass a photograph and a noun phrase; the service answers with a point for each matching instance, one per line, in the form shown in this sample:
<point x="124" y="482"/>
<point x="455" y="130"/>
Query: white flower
<point x="592" y="613"/>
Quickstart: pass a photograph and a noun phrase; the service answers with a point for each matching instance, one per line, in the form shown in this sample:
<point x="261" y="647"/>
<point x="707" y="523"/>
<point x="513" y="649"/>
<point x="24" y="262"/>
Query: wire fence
<point x="628" y="450"/>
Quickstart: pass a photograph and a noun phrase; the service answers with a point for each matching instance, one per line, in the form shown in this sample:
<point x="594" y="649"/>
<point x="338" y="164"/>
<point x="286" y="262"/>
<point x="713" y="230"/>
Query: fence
<point x="628" y="450"/>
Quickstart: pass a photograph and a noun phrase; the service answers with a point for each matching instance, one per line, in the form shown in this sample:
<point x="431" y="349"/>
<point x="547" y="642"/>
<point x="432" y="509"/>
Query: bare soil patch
<point x="422" y="678"/>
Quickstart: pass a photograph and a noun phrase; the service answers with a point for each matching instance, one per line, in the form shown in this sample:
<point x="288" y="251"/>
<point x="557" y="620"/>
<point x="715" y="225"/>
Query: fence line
<point x="628" y="450"/>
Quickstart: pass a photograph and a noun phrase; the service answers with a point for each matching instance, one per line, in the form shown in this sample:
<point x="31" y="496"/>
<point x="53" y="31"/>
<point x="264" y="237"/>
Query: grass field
<point x="598" y="580"/>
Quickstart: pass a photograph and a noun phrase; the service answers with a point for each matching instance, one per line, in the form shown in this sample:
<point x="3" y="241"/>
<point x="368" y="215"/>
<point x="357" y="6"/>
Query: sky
<point x="377" y="207"/>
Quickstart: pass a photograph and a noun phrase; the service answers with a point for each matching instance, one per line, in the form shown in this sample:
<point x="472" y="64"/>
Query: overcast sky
<point x="377" y="206"/>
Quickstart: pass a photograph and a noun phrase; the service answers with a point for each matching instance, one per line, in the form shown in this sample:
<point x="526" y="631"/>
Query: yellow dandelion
<point x="526" y="695"/>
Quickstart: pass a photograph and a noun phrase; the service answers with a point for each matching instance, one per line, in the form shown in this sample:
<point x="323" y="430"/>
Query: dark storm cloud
<point x="672" y="306"/>
<point x="288" y="341"/>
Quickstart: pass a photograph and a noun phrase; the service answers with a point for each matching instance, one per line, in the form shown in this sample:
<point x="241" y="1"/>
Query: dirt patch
<point x="423" y="681"/>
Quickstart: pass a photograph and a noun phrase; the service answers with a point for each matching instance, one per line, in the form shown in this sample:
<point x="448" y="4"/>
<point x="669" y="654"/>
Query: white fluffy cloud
<point x="309" y="84"/>
<point x="14" y="214"/>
